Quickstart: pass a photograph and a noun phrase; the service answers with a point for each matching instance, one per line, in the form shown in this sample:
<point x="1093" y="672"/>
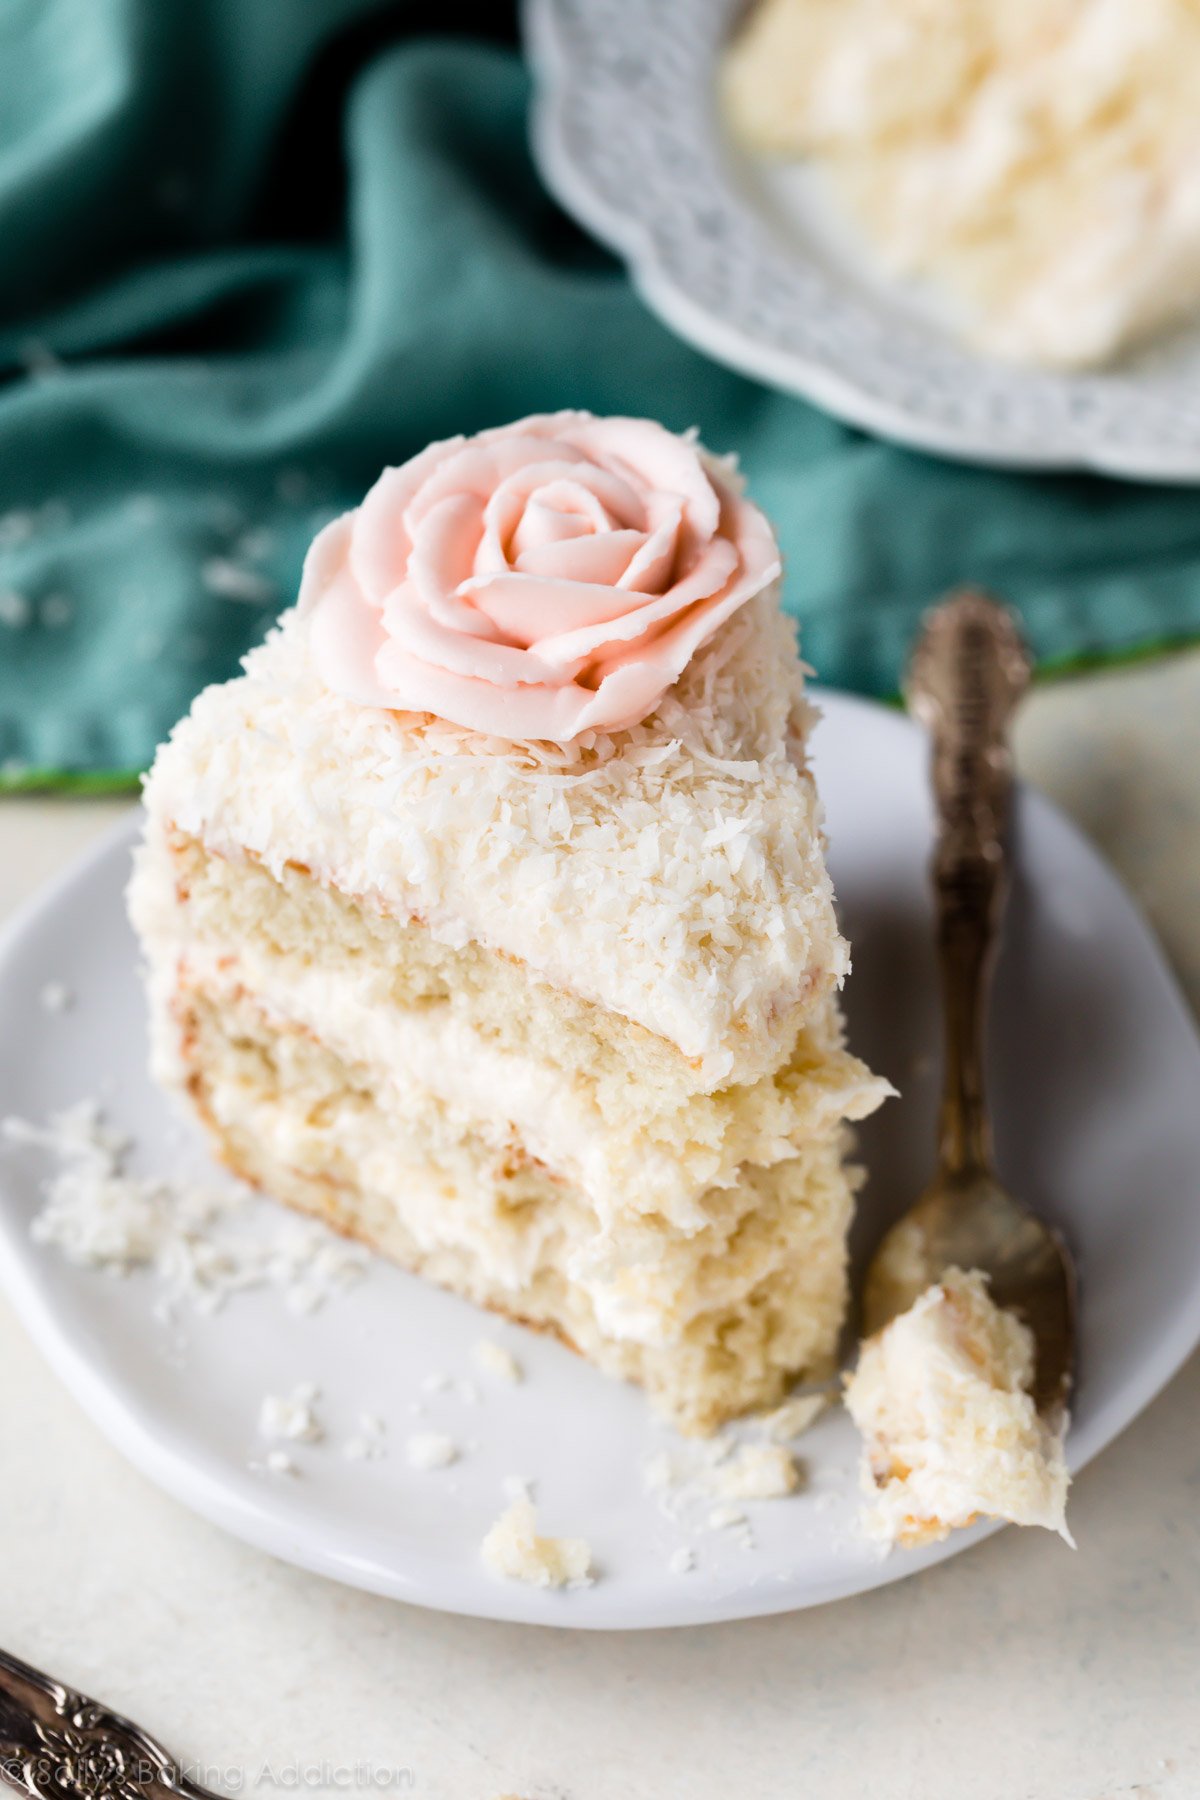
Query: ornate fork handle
<point x="56" y="1744"/>
<point x="967" y="675"/>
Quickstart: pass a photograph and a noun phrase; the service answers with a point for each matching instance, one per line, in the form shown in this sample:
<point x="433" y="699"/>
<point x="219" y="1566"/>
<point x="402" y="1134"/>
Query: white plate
<point x="1097" y="1070"/>
<point x="744" y="260"/>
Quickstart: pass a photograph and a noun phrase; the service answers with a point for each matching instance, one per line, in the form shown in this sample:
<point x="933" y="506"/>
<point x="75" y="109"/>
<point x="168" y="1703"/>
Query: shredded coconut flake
<point x="291" y="1416"/>
<point x="758" y="1472"/>
<point x="495" y="1359"/>
<point x="369" y="1442"/>
<point x="203" y="1243"/>
<point x="430" y="1450"/>
<point x="658" y="1473"/>
<point x="688" y="1481"/>
<point x="793" y="1417"/>
<point x="278" y="1462"/>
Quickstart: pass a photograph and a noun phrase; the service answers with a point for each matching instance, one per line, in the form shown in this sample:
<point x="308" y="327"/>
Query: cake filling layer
<point x="588" y="1095"/>
<point x="712" y="1323"/>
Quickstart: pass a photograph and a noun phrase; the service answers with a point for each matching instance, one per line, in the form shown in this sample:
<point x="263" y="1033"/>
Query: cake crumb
<point x="793" y="1417"/>
<point x="758" y="1472"/>
<point x="721" y="1470"/>
<point x="291" y="1416"/>
<point x="682" y="1561"/>
<point x="278" y="1462"/>
<point x="367" y="1444"/>
<point x="56" y="997"/>
<point x="430" y="1450"/>
<point x="512" y="1549"/>
<point x="495" y="1359"/>
<point x="658" y="1472"/>
<point x="517" y="1487"/>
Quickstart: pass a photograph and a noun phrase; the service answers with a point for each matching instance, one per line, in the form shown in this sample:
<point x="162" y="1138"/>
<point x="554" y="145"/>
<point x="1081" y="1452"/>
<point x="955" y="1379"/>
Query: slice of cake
<point x="941" y="1396"/>
<point x="486" y="915"/>
<point x="1038" y="160"/>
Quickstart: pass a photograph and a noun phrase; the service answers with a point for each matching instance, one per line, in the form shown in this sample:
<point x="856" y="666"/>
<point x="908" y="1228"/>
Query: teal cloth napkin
<point x="251" y="250"/>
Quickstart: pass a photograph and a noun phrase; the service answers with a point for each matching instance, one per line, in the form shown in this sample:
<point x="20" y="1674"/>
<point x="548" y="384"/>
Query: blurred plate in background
<point x="746" y="261"/>
<point x="1096" y="1069"/>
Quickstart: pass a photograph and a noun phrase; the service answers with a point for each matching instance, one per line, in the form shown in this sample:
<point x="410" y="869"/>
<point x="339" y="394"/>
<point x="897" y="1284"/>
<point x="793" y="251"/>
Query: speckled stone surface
<point x="1015" y="1672"/>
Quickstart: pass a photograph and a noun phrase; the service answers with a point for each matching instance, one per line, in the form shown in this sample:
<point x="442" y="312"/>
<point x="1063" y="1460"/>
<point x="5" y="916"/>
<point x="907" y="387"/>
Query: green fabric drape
<point x="251" y="250"/>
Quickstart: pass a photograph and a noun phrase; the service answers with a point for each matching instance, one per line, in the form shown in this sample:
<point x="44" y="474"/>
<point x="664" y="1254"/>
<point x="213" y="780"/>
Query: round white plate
<point x="746" y="261"/>
<point x="1096" y="1067"/>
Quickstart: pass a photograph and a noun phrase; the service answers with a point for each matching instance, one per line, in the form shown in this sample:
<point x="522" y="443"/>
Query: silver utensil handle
<point x="967" y="674"/>
<point x="56" y="1744"/>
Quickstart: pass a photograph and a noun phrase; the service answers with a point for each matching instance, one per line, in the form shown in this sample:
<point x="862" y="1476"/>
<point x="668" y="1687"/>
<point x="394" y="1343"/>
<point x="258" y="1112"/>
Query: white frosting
<point x="497" y="1091"/>
<point x="672" y="873"/>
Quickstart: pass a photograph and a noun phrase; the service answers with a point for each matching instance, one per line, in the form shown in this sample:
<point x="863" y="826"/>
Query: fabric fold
<point x="194" y="387"/>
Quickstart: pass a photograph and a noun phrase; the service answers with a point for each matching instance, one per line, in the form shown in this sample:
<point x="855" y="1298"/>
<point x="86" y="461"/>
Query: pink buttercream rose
<point x="540" y="580"/>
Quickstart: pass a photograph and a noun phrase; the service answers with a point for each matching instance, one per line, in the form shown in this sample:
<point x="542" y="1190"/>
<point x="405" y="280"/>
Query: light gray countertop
<point x="1015" y="1672"/>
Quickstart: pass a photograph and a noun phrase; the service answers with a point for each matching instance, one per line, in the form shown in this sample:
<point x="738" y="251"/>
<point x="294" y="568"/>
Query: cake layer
<point x="591" y="1096"/>
<point x="671" y="875"/>
<point x="712" y="1322"/>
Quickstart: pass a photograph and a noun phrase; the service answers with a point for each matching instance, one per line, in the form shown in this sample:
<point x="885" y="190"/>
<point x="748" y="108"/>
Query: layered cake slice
<point x="486" y="916"/>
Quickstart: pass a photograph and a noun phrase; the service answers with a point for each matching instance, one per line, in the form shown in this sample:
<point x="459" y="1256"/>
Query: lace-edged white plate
<point x="746" y="262"/>
<point x="1096" y="1068"/>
